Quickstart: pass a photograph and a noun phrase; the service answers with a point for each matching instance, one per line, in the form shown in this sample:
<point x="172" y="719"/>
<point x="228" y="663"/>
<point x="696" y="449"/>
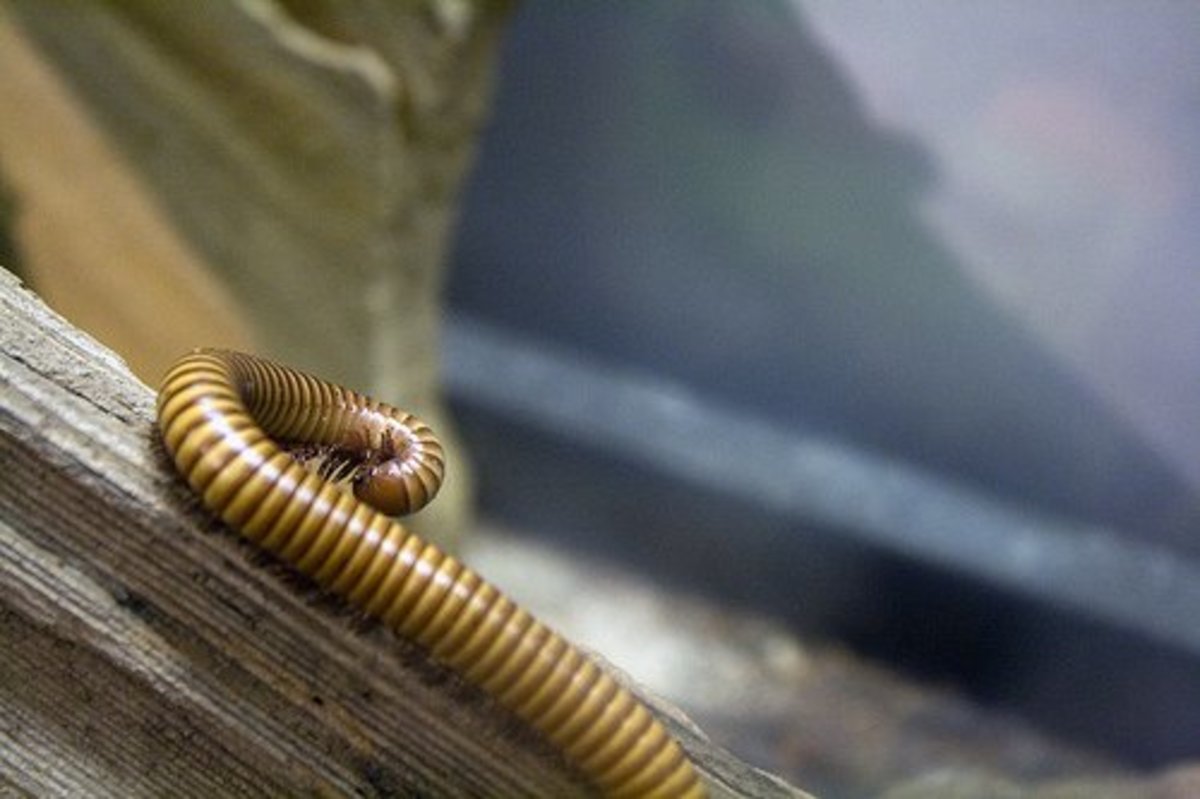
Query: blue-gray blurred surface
<point x="954" y="242"/>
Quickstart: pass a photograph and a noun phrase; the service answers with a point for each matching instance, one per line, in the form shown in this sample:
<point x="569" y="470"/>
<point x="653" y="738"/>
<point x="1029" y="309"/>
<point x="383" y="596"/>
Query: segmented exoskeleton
<point x="240" y="428"/>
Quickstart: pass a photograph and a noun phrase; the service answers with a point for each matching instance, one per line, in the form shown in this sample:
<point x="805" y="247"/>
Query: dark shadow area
<point x="10" y="255"/>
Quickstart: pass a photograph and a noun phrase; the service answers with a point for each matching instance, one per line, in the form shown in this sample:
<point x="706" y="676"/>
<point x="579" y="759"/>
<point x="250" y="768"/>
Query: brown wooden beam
<point x="147" y="651"/>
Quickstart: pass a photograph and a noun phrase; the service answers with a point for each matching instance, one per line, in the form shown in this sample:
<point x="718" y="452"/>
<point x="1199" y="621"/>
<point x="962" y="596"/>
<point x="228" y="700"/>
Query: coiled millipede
<point x="271" y="450"/>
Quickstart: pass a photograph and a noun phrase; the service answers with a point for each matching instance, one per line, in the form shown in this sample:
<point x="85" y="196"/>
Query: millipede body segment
<point x="310" y="472"/>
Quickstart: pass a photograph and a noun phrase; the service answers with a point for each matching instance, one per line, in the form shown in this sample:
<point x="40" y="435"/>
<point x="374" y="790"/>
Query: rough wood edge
<point x="232" y="674"/>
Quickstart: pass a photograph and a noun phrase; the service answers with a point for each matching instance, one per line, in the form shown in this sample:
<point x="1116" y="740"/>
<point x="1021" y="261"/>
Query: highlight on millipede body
<point x="311" y="472"/>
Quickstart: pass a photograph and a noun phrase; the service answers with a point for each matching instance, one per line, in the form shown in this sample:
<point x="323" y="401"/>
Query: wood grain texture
<point x="150" y="653"/>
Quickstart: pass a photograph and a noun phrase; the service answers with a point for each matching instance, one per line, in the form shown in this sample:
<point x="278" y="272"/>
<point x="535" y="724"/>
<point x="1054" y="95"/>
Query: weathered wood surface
<point x="147" y="652"/>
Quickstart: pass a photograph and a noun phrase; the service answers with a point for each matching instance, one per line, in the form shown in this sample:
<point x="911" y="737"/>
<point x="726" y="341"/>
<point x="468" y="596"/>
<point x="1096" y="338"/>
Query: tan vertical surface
<point x="94" y="243"/>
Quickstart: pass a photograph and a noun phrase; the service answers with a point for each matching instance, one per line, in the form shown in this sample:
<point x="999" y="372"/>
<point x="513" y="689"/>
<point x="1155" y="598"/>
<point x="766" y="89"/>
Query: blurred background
<point x="835" y="365"/>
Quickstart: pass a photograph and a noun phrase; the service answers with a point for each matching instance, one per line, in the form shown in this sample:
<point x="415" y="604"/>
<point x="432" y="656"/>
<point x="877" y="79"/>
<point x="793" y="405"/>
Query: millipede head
<point x="397" y="486"/>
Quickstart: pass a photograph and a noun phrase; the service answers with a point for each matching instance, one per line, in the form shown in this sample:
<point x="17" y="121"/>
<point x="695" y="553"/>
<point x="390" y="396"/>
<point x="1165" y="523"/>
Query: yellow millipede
<point x="272" y="451"/>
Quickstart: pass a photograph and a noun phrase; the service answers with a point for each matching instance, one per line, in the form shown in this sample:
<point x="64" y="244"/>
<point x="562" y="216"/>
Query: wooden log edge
<point x="149" y="652"/>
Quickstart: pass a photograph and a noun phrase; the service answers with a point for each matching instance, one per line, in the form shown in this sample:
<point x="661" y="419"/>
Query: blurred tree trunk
<point x="308" y="153"/>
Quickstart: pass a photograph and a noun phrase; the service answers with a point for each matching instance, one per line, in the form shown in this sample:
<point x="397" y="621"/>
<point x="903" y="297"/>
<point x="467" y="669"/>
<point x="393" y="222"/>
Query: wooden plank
<point x="149" y="652"/>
